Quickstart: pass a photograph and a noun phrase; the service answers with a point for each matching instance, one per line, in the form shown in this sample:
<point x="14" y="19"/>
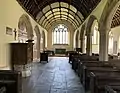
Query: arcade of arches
<point x="58" y="27"/>
<point x="89" y="32"/>
<point x="97" y="31"/>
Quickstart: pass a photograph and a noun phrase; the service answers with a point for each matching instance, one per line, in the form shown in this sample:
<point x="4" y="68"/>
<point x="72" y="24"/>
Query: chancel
<point x="60" y="46"/>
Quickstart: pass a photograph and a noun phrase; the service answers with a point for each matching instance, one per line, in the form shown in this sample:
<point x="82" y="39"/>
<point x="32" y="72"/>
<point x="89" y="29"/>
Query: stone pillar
<point x="103" y="52"/>
<point x="82" y="44"/>
<point x="89" y="44"/>
<point x="38" y="47"/>
<point x="115" y="47"/>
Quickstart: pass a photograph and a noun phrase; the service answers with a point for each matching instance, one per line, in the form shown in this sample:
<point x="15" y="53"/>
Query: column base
<point x="24" y="69"/>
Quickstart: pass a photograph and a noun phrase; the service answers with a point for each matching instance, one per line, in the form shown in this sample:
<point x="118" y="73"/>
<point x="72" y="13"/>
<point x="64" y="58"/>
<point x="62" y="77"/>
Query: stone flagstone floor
<point x="53" y="77"/>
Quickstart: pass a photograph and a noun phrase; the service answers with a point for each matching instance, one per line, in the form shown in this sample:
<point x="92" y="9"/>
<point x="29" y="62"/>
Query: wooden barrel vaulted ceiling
<point x="47" y="12"/>
<point x="116" y="18"/>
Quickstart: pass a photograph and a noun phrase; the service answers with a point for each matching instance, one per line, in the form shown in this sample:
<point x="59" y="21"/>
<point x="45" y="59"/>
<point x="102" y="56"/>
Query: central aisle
<point x="53" y="77"/>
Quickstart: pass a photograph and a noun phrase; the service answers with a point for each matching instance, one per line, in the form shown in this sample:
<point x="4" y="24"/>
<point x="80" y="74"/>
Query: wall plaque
<point x="9" y="31"/>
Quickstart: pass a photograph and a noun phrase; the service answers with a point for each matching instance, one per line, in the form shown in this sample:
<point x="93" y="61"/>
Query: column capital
<point x="104" y="30"/>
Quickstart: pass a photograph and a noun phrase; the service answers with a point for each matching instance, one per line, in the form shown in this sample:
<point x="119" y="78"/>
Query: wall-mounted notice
<point x="9" y="31"/>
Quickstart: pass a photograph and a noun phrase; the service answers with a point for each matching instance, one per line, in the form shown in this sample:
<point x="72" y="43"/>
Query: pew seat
<point x="98" y="81"/>
<point x="10" y="81"/>
<point x="112" y="89"/>
<point x="86" y="74"/>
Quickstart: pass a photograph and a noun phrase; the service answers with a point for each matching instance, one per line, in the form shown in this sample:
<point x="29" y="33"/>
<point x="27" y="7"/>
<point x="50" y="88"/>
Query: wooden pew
<point x="88" y="58"/>
<point x="75" y="61"/>
<point x="77" y="58"/>
<point x="98" y="80"/>
<point x="86" y="74"/>
<point x="84" y="64"/>
<point x="112" y="89"/>
<point x="10" y="81"/>
<point x="71" y="56"/>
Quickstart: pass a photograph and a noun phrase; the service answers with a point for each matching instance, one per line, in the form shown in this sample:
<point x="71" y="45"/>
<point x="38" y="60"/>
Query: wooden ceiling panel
<point x="33" y="7"/>
<point x="116" y="19"/>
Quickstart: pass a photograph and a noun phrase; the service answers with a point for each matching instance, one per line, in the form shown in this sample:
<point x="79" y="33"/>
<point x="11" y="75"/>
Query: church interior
<point x="60" y="46"/>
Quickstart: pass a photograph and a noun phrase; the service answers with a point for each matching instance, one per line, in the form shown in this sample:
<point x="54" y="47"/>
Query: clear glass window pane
<point x="119" y="42"/>
<point x="66" y="36"/>
<point x="60" y="35"/>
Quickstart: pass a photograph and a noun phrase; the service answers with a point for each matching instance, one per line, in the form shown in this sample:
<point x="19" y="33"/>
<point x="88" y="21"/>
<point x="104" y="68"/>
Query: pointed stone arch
<point x="82" y="38"/>
<point x="105" y="26"/>
<point x="37" y="46"/>
<point x="90" y="23"/>
<point x="107" y="15"/>
<point x="82" y="32"/>
<point x="91" y="20"/>
<point x="25" y="21"/>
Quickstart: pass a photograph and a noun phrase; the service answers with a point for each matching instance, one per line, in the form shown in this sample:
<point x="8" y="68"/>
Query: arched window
<point x="110" y="40"/>
<point x="119" y="43"/>
<point x="95" y="36"/>
<point x="60" y="34"/>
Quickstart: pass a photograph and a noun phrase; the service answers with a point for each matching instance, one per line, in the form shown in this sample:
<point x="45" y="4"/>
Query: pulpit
<point x="22" y="57"/>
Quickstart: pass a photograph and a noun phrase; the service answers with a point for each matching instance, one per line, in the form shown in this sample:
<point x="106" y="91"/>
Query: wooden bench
<point x="84" y="64"/>
<point x="77" y="58"/>
<point x="98" y="80"/>
<point x="112" y="89"/>
<point x="88" y="58"/>
<point x="86" y="74"/>
<point x="10" y="81"/>
<point x="72" y="55"/>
